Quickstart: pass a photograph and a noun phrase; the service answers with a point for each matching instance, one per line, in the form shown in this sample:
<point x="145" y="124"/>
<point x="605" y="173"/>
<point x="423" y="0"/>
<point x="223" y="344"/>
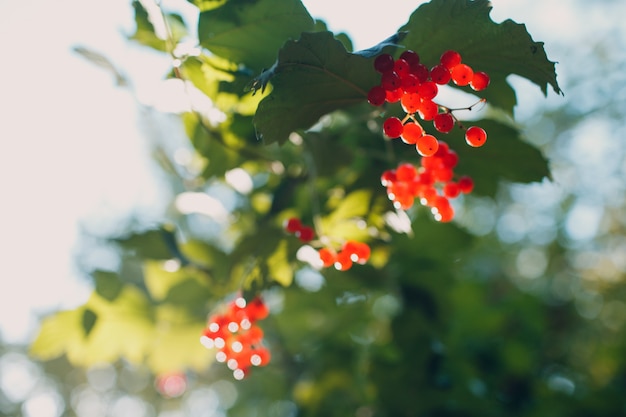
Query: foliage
<point x="415" y="331"/>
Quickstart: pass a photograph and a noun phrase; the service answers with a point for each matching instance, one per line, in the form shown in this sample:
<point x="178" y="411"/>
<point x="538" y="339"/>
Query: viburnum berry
<point x="359" y="252"/>
<point x="411" y="132"/>
<point x="377" y="96"/>
<point x="393" y="127"/>
<point x="390" y="80"/>
<point x="411" y="57"/>
<point x="405" y="172"/>
<point x="443" y="122"/>
<point x="388" y="177"/>
<point x="393" y="96"/>
<point x="427" y="145"/>
<point x="475" y="136"/>
<point x="440" y="74"/>
<point x="428" y="110"/>
<point x="462" y="74"/>
<point x="410" y="102"/>
<point x="428" y="90"/>
<point x="466" y="184"/>
<point x="410" y="83"/>
<point x="383" y="63"/>
<point x="479" y="81"/>
<point x="343" y="261"/>
<point x="401" y="67"/>
<point x="421" y="72"/>
<point x="451" y="189"/>
<point x="292" y="224"/>
<point x="305" y="234"/>
<point x="450" y="58"/>
<point x="328" y="257"/>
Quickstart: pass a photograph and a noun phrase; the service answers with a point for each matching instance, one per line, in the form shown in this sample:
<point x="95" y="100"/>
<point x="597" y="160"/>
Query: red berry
<point x="410" y="102"/>
<point x="450" y="159"/>
<point x="466" y="184"/>
<point x="421" y="72"/>
<point x="411" y="133"/>
<point x="343" y="261"/>
<point x="451" y="190"/>
<point x="392" y="127"/>
<point x="256" y="309"/>
<point x="305" y="234"/>
<point x="450" y="59"/>
<point x="359" y="252"/>
<point x="480" y="81"/>
<point x="377" y="96"/>
<point x="427" y="145"/>
<point x="406" y="172"/>
<point x="401" y="67"/>
<point x="393" y="96"/>
<point x="475" y="136"/>
<point x="428" y="110"/>
<point x="292" y="225"/>
<point x="388" y="177"/>
<point x="410" y="83"/>
<point x="442" y="209"/>
<point x="390" y="80"/>
<point x="443" y="122"/>
<point x="383" y="63"/>
<point x="328" y="256"/>
<point x="462" y="74"/>
<point x="440" y="74"/>
<point x="428" y="90"/>
<point x="411" y="57"/>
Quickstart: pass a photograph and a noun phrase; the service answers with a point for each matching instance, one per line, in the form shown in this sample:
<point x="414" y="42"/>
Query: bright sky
<point x="71" y="147"/>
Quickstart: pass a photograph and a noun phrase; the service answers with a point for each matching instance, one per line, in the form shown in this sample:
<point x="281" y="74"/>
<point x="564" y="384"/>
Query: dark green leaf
<point x="88" y="321"/>
<point x="151" y="244"/>
<point x="144" y="33"/>
<point x="504" y="156"/>
<point x="500" y="49"/>
<point x="108" y="284"/>
<point x="313" y="76"/>
<point x="250" y="32"/>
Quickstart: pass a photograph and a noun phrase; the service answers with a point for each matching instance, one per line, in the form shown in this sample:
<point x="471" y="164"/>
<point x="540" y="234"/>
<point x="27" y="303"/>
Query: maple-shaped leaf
<point x="250" y="32"/>
<point x="313" y="76"/>
<point x="499" y="49"/>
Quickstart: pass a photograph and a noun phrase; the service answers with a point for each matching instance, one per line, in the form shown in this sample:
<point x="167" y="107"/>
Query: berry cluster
<point x="351" y="252"/>
<point x="415" y="86"/>
<point x="303" y="232"/>
<point x="237" y="337"/>
<point x="432" y="183"/>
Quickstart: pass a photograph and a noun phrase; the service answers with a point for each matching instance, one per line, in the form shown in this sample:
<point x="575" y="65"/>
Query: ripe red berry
<point x="406" y="172"/>
<point x="462" y="74"/>
<point x="383" y="63"/>
<point x="427" y="90"/>
<point x="428" y="110"/>
<point x="410" y="83"/>
<point x="411" y="57"/>
<point x="305" y="234"/>
<point x="359" y="251"/>
<point x="328" y="257"/>
<point x="393" y="96"/>
<point x="480" y="81"/>
<point x="343" y="261"/>
<point x="411" y="133"/>
<point x="410" y="102"/>
<point x="427" y="145"/>
<point x="442" y="209"/>
<point x="292" y="225"/>
<point x="421" y="72"/>
<point x="451" y="189"/>
<point x="390" y="80"/>
<point x="475" y="136"/>
<point x="377" y="96"/>
<point x="443" y="122"/>
<point x="392" y="127"/>
<point x="450" y="59"/>
<point x="466" y="184"/>
<point x="401" y="67"/>
<point x="388" y="177"/>
<point x="440" y="74"/>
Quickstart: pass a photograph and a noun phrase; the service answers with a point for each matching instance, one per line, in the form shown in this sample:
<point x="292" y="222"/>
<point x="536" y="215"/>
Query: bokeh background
<point x="78" y="160"/>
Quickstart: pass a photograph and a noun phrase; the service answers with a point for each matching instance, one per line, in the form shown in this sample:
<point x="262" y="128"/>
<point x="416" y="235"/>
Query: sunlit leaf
<point x="500" y="49"/>
<point x="250" y="32"/>
<point x="279" y="266"/>
<point x="313" y="76"/>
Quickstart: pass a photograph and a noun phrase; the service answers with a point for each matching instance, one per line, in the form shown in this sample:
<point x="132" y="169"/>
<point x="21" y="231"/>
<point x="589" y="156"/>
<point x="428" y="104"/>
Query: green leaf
<point x="278" y="264"/>
<point x="108" y="284"/>
<point x="144" y="33"/>
<point x="250" y="32"/>
<point x="504" y="156"/>
<point x="500" y="49"/>
<point x="151" y="244"/>
<point x="184" y="286"/>
<point x="89" y="320"/>
<point x="313" y="76"/>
